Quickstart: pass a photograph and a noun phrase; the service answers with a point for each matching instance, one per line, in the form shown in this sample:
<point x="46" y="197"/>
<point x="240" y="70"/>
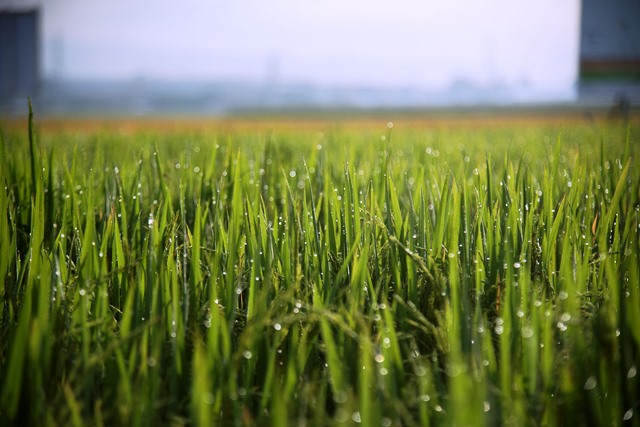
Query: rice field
<point x="382" y="275"/>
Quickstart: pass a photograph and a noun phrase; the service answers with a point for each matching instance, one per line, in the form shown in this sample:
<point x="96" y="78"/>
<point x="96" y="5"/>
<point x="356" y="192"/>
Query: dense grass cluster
<point x="386" y="277"/>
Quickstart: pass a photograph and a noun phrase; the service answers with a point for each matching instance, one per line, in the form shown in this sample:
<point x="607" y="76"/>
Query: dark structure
<point x="610" y="53"/>
<point x="19" y="55"/>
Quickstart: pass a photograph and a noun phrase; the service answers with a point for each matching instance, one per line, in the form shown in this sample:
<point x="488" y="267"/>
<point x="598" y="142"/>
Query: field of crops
<point x="381" y="275"/>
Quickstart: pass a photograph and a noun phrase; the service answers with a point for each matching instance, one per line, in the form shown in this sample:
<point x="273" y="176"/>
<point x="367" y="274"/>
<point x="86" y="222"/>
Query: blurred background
<point x="204" y="57"/>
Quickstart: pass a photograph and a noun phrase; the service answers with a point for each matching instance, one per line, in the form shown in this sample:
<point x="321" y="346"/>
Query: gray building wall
<point x="610" y="39"/>
<point x="19" y="54"/>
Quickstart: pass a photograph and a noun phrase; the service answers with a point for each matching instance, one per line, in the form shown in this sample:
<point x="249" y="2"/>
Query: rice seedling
<point x="362" y="276"/>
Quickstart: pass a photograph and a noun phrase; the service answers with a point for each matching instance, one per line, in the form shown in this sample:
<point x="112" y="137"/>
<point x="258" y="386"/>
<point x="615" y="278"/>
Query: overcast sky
<point x="422" y="43"/>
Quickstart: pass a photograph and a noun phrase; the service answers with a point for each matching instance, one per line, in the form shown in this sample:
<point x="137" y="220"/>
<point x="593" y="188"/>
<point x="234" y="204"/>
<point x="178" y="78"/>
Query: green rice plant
<point x="360" y="276"/>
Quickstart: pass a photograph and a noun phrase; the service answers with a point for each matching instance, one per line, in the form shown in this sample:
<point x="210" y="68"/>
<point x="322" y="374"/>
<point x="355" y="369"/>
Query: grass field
<point x="418" y="272"/>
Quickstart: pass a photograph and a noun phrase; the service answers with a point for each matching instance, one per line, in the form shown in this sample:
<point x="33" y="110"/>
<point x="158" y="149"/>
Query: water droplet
<point x="356" y="417"/>
<point x="628" y="415"/>
<point x="340" y="396"/>
<point x="379" y="358"/>
<point x="632" y="372"/>
<point x="207" y="398"/>
<point x="247" y="354"/>
<point x="425" y="398"/>
<point x="487" y="406"/>
<point x="590" y="383"/>
<point x="277" y="326"/>
<point x="82" y="292"/>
